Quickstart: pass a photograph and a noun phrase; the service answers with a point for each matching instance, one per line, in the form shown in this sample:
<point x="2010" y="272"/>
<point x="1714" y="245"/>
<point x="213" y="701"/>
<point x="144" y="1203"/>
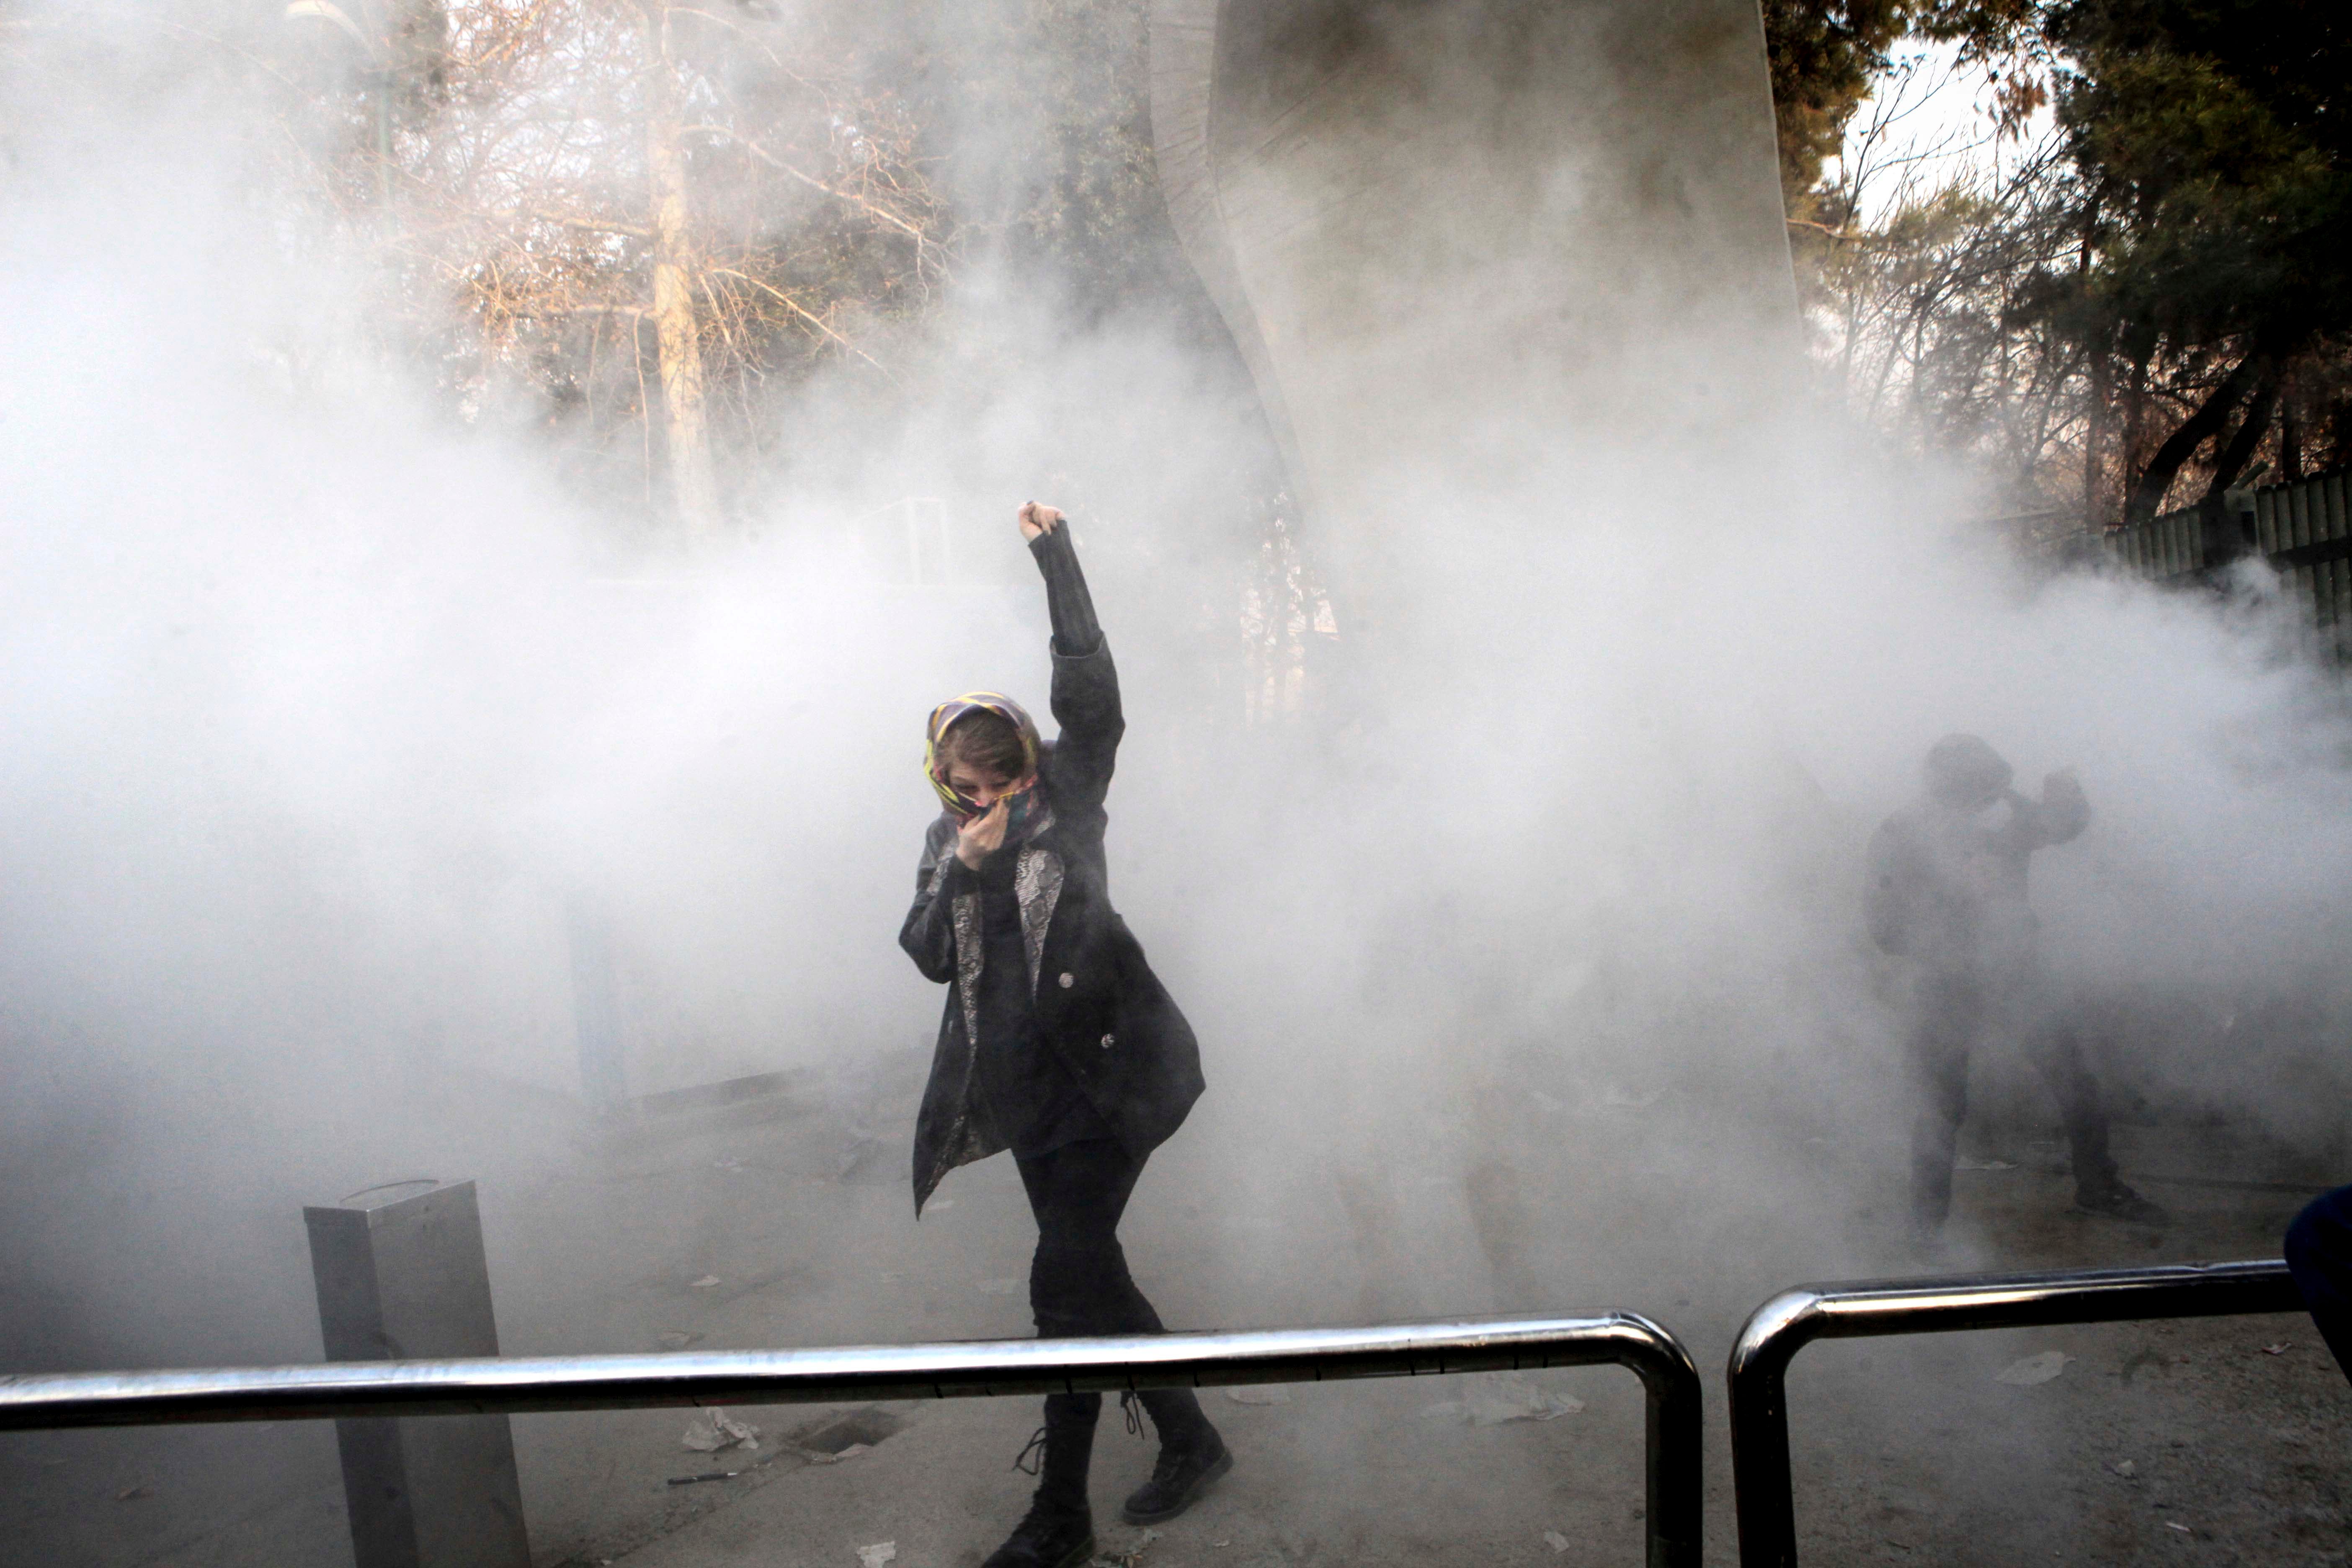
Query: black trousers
<point x="1954" y="1012"/>
<point x="1078" y="1284"/>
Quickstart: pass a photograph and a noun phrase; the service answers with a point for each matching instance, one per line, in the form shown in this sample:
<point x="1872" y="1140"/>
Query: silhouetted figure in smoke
<point x="1947" y="890"/>
<point x="2319" y="1256"/>
<point x="1058" y="1042"/>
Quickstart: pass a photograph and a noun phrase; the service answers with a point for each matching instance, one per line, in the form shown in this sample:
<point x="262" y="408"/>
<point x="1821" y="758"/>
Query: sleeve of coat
<point x="929" y="935"/>
<point x="2058" y="817"/>
<point x="1085" y="683"/>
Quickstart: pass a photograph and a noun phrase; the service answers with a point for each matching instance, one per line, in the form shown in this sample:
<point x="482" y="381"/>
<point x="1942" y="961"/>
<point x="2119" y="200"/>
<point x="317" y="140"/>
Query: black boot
<point x="1059" y="1531"/>
<point x="1191" y="1456"/>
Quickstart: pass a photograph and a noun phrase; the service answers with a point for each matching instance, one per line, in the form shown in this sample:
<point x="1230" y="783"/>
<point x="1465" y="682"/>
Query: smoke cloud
<point x="1521" y="932"/>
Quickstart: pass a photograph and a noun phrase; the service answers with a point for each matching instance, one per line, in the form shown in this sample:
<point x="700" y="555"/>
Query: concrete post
<point x="401" y="1275"/>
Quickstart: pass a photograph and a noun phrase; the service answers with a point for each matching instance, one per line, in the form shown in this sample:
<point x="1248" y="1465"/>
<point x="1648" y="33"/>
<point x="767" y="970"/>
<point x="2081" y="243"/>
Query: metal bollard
<point x="401" y="1275"/>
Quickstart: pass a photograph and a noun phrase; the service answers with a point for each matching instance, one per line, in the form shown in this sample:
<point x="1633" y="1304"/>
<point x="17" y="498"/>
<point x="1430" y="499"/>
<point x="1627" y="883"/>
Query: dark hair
<point x="1962" y="769"/>
<point x="986" y="743"/>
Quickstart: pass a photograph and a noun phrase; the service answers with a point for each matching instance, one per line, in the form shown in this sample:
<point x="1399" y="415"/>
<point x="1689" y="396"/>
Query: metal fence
<point x="2302" y="529"/>
<point x="955" y="1371"/>
<point x="1794" y="1319"/>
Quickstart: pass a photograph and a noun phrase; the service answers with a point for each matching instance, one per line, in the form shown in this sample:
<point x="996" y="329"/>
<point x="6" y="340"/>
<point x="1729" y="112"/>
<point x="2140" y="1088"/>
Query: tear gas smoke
<point x="320" y="709"/>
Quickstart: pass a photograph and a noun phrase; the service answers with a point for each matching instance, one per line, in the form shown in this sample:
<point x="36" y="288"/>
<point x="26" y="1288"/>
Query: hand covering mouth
<point x="935" y="763"/>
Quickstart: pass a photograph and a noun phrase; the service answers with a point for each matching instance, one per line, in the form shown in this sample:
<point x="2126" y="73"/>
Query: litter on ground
<point x="1491" y="1401"/>
<point x="849" y="1453"/>
<point x="1555" y="1540"/>
<point x="715" y="1429"/>
<point x="2277" y="1350"/>
<point x="878" y="1553"/>
<point x="999" y="1287"/>
<point x="1259" y="1394"/>
<point x="705" y="1283"/>
<point x="1128" y="1554"/>
<point x="2126" y="1469"/>
<point x="678" y="1340"/>
<point x="2034" y="1369"/>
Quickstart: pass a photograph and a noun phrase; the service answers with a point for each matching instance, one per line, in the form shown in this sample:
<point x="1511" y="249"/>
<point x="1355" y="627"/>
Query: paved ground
<point x="1906" y="1451"/>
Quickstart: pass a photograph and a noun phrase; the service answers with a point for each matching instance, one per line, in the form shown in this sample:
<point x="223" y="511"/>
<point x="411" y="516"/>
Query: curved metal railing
<point x="492" y="1385"/>
<point x="1794" y="1319"/>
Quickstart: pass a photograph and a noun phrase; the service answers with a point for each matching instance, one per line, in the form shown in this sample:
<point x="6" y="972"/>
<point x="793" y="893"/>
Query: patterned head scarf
<point x="935" y="763"/>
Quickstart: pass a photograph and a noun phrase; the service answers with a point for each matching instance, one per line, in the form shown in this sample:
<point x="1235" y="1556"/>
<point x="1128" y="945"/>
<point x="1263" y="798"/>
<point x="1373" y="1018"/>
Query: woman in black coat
<point x="1057" y="1042"/>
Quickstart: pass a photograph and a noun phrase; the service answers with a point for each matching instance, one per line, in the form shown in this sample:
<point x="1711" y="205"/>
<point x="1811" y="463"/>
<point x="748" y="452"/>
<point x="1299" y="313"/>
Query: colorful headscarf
<point x="935" y="763"/>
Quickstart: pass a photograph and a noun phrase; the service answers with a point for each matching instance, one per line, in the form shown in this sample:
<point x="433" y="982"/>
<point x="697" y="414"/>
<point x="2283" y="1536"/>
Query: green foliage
<point x="2172" y="295"/>
<point x="2211" y="135"/>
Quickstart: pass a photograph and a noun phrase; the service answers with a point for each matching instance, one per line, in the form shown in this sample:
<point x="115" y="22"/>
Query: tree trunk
<point x="2148" y="489"/>
<point x="2291" y="436"/>
<point x="694" y="492"/>
<point x="2238" y="450"/>
<point x="2094" y="423"/>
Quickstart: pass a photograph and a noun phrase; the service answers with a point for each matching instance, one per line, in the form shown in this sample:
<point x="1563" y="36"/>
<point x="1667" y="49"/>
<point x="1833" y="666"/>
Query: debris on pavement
<point x="2176" y="1524"/>
<point x="1125" y="1553"/>
<point x="705" y="1283"/>
<point x="1259" y="1394"/>
<point x="678" y="1339"/>
<point x="2034" y="1369"/>
<point x="2126" y="1469"/>
<point x="999" y="1287"/>
<point x="878" y="1553"/>
<point x="1970" y="1162"/>
<point x="132" y="1494"/>
<point x="715" y="1429"/>
<point x="820" y="1458"/>
<point x="1555" y="1540"/>
<point x="2278" y="1349"/>
<point x="1492" y="1401"/>
<point x="704" y="1476"/>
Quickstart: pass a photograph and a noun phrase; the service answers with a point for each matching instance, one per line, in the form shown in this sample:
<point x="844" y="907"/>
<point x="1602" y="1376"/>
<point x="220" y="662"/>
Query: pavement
<point x="2203" y="1442"/>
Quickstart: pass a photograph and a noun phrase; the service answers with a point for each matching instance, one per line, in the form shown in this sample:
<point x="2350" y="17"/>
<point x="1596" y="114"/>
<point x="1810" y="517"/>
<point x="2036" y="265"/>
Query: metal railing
<point x="492" y="1385"/>
<point x="1794" y="1319"/>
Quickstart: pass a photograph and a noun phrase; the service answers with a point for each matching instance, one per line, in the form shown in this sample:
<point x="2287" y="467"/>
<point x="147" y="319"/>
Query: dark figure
<point x="2319" y="1256"/>
<point x="1948" y="891"/>
<point x="1058" y="1042"/>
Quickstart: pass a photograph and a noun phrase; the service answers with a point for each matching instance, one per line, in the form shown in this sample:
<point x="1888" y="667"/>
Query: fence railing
<point x="492" y="1385"/>
<point x="2304" y="529"/>
<point x="1794" y="1319"/>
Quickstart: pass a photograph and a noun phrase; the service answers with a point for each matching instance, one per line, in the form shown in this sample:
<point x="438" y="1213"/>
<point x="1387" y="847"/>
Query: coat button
<point x="1068" y="981"/>
<point x="1109" y="1040"/>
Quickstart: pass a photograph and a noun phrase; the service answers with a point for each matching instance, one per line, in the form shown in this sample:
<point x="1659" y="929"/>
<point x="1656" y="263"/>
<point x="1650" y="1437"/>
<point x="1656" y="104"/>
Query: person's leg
<point x="1058" y="1532"/>
<point x="1079" y="1284"/>
<point x="1949" y="1008"/>
<point x="2055" y="1049"/>
<point x="2319" y="1256"/>
<point x="1080" y="1270"/>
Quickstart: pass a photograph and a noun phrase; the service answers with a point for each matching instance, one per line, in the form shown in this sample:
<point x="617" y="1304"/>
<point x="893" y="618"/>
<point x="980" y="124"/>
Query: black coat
<point x="1098" y="1006"/>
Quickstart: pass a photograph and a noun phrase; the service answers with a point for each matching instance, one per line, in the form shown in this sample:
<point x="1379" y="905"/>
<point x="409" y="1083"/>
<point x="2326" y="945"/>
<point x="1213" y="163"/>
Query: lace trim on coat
<point x="1036" y="888"/>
